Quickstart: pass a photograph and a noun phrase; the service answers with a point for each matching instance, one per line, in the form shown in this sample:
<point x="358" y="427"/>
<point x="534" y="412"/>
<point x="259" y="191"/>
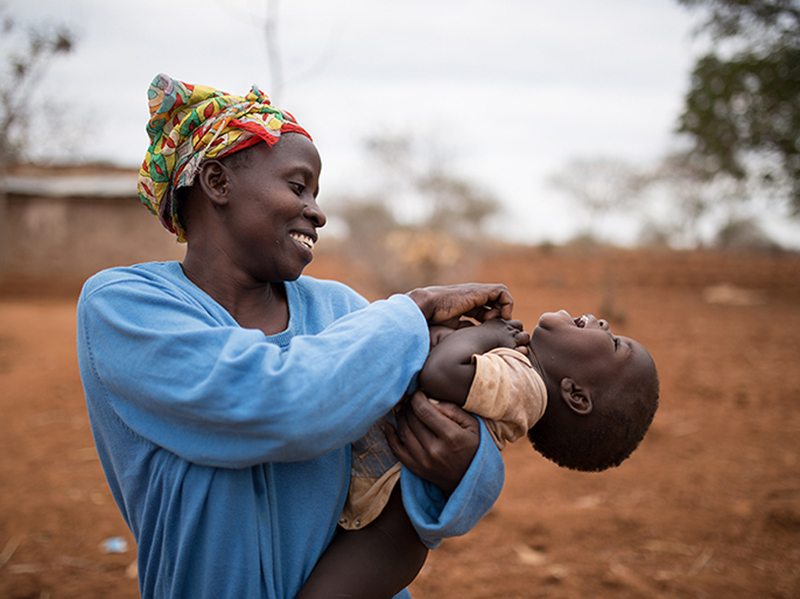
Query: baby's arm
<point x="379" y="560"/>
<point x="448" y="372"/>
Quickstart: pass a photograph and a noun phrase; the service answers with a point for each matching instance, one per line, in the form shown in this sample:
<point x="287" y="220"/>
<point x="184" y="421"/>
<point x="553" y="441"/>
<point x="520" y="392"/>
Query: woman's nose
<point x="314" y="213"/>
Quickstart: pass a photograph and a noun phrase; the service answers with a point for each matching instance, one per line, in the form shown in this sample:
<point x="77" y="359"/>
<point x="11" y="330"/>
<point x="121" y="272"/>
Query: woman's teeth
<point x="303" y="240"/>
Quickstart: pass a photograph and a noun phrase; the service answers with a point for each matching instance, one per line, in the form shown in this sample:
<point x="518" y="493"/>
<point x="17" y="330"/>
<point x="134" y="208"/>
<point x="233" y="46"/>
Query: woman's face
<point x="272" y="217"/>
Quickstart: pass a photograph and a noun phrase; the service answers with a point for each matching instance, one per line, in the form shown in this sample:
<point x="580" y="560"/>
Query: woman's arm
<point x="439" y="444"/>
<point x="452" y="470"/>
<point x="377" y="561"/>
<point x="448" y="372"/>
<point x="238" y="399"/>
<point x="225" y="396"/>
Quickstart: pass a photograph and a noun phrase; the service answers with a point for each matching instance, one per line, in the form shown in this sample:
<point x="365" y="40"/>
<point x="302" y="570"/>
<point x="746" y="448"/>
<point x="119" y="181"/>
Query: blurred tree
<point x="742" y="111"/>
<point x="601" y="186"/>
<point x="28" y="51"/>
<point x="744" y="234"/>
<point x="422" y="224"/>
<point x="694" y="199"/>
<point x="26" y="54"/>
<point x="654" y="235"/>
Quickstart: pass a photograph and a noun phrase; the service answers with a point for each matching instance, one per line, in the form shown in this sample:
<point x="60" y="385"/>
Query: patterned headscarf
<point x="189" y="123"/>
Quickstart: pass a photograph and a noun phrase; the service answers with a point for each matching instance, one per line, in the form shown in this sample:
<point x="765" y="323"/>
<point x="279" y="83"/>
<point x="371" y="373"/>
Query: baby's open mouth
<point x="581" y="321"/>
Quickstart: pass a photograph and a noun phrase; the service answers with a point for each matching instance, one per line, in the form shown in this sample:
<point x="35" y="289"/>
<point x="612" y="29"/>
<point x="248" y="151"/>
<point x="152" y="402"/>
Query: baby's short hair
<point x="609" y="434"/>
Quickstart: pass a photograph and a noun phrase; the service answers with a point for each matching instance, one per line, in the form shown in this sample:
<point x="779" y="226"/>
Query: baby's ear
<point x="576" y="397"/>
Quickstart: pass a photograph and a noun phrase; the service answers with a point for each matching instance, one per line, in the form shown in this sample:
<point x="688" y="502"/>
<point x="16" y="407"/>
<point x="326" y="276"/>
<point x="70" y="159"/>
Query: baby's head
<point x="602" y="392"/>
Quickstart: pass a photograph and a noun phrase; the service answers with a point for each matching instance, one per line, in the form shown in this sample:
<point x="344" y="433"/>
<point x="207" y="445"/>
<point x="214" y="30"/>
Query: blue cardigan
<point x="227" y="451"/>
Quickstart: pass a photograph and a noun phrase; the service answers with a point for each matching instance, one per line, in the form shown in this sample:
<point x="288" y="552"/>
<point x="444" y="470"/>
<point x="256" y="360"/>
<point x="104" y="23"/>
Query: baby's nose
<point x="593" y="321"/>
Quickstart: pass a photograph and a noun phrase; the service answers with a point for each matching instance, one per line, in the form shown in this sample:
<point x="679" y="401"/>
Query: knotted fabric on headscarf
<point x="189" y="123"/>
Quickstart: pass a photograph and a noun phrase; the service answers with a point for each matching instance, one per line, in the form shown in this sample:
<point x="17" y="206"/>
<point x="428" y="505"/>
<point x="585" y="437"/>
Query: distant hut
<point x="61" y="224"/>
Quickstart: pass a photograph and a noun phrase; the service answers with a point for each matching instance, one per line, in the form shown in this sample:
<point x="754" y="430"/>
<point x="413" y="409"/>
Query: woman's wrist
<point x="422" y="297"/>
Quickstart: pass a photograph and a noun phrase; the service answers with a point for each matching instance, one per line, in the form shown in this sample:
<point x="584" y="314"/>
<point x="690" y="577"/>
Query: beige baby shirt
<point x="506" y="391"/>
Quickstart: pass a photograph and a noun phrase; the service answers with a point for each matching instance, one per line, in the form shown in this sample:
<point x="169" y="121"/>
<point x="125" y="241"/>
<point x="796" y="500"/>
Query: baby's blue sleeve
<point x="436" y="517"/>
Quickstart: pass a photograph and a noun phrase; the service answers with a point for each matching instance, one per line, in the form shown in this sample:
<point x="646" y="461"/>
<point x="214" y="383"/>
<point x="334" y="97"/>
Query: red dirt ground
<point x="709" y="506"/>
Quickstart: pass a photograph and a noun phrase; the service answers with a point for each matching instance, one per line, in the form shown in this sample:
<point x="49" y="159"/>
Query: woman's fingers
<point x="407" y="435"/>
<point x="442" y="419"/>
<point x="436" y="442"/>
<point x="499" y="304"/>
<point x="431" y="416"/>
<point x="398" y="448"/>
<point x="418" y="429"/>
<point x="446" y="303"/>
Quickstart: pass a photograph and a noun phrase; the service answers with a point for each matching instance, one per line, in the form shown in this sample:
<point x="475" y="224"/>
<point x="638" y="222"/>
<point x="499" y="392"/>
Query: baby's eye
<point x="298" y="188"/>
<point x="616" y="343"/>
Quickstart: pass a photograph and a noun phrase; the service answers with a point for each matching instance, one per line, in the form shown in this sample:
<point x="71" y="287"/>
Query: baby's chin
<point x="553" y="320"/>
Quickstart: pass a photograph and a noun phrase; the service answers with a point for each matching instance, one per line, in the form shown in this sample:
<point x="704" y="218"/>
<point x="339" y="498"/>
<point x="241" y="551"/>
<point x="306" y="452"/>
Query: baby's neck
<point x="537" y="365"/>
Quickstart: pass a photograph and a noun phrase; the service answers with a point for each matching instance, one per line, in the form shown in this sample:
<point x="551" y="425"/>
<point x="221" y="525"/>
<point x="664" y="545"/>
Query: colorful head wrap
<point x="189" y="123"/>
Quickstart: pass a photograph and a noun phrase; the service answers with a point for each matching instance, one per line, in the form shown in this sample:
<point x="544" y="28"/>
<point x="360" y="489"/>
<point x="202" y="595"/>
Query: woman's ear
<point x="578" y="399"/>
<point x="214" y="180"/>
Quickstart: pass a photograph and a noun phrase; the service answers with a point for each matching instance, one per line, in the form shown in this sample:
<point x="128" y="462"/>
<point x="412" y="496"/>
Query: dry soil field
<point x="708" y="507"/>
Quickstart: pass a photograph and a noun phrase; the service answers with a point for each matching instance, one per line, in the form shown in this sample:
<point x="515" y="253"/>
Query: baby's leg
<point x="377" y="561"/>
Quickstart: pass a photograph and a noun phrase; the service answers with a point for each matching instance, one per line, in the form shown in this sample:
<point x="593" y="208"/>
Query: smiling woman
<point x="257" y="223"/>
<point x="224" y="391"/>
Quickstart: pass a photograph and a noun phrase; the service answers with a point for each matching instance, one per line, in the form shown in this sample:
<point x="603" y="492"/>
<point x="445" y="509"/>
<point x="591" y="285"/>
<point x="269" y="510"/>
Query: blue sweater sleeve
<point x="436" y="517"/>
<point x="224" y="396"/>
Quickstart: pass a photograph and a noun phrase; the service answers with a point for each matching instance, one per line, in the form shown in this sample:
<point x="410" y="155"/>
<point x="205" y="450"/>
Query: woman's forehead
<point x="295" y="150"/>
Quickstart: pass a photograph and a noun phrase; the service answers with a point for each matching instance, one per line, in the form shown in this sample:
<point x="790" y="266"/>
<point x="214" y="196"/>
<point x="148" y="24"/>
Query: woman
<point x="224" y="391"/>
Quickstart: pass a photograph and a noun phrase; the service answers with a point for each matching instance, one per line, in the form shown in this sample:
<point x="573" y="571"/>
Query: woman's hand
<point x="445" y="304"/>
<point x="435" y="441"/>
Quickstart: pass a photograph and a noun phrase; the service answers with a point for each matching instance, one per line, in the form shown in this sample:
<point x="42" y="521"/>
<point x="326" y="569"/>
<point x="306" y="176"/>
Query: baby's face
<point x="584" y="349"/>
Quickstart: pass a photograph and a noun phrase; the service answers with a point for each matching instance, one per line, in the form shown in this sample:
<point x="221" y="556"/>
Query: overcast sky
<point x="509" y="90"/>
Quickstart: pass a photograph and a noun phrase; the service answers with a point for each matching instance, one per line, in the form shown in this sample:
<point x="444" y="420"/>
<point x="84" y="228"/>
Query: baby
<point x="584" y="396"/>
<point x="600" y="389"/>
